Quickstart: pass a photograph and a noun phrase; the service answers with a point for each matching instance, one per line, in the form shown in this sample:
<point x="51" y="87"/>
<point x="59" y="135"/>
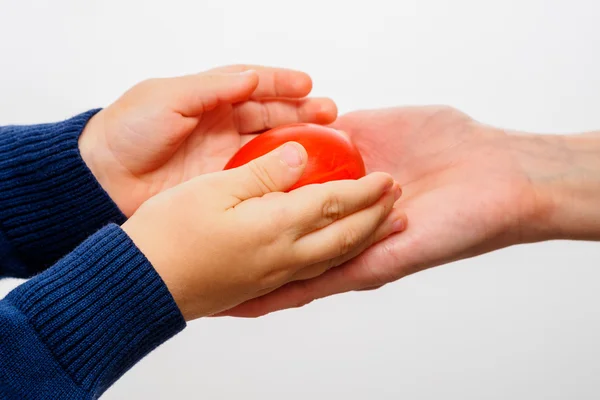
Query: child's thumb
<point x="276" y="171"/>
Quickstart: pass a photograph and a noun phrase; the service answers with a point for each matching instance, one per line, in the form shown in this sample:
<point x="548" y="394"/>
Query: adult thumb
<point x="192" y="95"/>
<point x="276" y="171"/>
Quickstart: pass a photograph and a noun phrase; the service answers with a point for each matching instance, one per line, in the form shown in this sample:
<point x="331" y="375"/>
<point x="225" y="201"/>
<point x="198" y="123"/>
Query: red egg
<point x="331" y="154"/>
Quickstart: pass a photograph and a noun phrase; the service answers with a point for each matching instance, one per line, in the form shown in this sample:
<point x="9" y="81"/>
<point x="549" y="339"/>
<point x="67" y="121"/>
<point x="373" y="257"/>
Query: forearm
<point x="565" y="173"/>
<point x="49" y="199"/>
<point x="74" y="329"/>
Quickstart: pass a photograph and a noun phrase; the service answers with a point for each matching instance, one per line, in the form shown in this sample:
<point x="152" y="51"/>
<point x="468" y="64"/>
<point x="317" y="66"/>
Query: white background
<point x="522" y="323"/>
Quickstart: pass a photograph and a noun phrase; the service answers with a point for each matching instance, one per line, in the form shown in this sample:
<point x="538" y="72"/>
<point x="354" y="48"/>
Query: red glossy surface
<point x="331" y="155"/>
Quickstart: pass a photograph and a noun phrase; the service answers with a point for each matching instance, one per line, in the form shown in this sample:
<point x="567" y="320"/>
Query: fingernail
<point x="398" y="225"/>
<point x="290" y="154"/>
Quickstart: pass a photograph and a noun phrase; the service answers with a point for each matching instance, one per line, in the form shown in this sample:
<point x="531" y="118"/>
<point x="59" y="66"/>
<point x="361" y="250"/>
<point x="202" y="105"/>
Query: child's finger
<point x="256" y="116"/>
<point x="395" y="222"/>
<point x="192" y="95"/>
<point x="273" y="81"/>
<point x="343" y="236"/>
<point x="313" y="207"/>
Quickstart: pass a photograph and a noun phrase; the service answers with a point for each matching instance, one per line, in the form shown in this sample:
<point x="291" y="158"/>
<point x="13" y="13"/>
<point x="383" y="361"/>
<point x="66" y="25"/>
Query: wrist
<point x="98" y="310"/>
<point x="564" y="172"/>
<point x="50" y="201"/>
<point x="96" y="155"/>
<point x="89" y="146"/>
<point x="163" y="262"/>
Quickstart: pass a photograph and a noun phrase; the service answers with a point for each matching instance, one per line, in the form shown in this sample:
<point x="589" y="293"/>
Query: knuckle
<point x="261" y="176"/>
<point x="349" y="239"/>
<point x="266" y="117"/>
<point x="332" y="208"/>
<point x="276" y="83"/>
<point x="237" y="119"/>
<point x="313" y="271"/>
<point x="332" y="263"/>
<point x="273" y="278"/>
<point x="279" y="219"/>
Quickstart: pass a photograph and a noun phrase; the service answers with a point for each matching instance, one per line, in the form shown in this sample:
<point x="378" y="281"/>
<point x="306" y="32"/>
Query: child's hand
<point x="223" y="238"/>
<point x="165" y="131"/>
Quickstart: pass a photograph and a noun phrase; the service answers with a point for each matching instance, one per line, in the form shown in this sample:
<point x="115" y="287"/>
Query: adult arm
<point x="469" y="188"/>
<point x="565" y="171"/>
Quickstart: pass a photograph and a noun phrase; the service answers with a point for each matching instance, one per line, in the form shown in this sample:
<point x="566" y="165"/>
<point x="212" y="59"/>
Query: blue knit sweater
<point x="94" y="306"/>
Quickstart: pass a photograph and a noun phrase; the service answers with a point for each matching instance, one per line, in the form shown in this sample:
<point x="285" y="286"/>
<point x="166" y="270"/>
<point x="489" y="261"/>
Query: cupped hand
<point x="220" y="239"/>
<point x="468" y="189"/>
<point x="165" y="131"/>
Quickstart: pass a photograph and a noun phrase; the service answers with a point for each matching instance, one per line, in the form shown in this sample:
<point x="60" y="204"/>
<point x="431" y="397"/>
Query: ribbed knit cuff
<point x="49" y="199"/>
<point x="100" y="309"/>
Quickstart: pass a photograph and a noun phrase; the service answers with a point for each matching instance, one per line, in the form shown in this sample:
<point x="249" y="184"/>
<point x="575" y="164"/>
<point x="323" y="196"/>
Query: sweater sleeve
<point x="73" y="330"/>
<point x="49" y="199"/>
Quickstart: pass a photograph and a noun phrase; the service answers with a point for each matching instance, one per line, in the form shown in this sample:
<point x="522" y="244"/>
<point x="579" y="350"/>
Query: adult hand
<point x="223" y="238"/>
<point x="468" y="189"/>
<point x="165" y="131"/>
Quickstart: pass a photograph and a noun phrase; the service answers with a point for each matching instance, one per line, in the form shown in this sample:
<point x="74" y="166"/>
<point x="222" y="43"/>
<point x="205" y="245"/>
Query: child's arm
<point x="61" y="182"/>
<point x="49" y="200"/>
<point x="73" y="330"/>
<point x="214" y="242"/>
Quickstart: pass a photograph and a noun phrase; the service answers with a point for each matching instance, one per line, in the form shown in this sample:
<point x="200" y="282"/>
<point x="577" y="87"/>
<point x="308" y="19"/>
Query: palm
<point x="460" y="184"/>
<point x="164" y="132"/>
<point x="446" y="163"/>
<point x="206" y="149"/>
<point x="174" y="149"/>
